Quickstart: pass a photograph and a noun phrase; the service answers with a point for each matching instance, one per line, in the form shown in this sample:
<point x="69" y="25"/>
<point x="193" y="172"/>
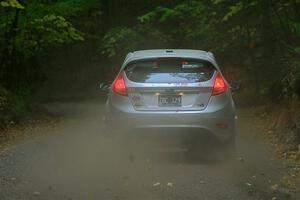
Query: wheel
<point x="229" y="148"/>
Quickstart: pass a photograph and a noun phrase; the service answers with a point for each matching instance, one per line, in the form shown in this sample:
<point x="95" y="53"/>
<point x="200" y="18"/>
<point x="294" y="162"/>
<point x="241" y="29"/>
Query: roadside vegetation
<point x="54" y="47"/>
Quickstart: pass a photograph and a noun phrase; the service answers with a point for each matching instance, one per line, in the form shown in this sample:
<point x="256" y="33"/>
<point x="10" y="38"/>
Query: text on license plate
<point x="169" y="100"/>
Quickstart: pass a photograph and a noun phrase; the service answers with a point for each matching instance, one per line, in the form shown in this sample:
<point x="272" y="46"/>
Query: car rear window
<point x="170" y="70"/>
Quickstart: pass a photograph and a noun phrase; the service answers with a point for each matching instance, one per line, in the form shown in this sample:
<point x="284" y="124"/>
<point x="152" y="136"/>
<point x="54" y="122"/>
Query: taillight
<point x="220" y="85"/>
<point x="119" y="86"/>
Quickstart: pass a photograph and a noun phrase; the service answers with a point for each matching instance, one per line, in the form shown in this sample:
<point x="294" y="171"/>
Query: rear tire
<point x="229" y="148"/>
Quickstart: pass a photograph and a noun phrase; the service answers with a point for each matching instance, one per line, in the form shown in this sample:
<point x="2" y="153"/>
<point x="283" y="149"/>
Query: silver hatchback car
<point x="172" y="93"/>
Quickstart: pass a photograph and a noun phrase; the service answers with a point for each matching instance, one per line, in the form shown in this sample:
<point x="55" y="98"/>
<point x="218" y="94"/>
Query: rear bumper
<point x="220" y="124"/>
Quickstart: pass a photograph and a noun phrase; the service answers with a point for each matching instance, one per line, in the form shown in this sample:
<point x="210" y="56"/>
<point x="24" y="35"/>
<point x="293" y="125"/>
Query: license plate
<point x="169" y="100"/>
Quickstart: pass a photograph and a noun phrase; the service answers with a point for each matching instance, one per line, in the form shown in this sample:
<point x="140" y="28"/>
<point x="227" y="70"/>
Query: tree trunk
<point x="297" y="10"/>
<point x="9" y="52"/>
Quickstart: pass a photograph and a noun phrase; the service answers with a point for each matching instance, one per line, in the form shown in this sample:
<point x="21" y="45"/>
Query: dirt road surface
<point x="76" y="161"/>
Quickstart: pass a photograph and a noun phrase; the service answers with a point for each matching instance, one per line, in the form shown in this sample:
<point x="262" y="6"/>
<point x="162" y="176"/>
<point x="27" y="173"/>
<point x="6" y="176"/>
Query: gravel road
<point x="76" y="161"/>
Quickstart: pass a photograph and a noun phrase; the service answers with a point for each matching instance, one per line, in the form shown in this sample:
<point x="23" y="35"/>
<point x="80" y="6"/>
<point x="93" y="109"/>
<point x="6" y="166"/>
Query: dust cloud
<point x="79" y="161"/>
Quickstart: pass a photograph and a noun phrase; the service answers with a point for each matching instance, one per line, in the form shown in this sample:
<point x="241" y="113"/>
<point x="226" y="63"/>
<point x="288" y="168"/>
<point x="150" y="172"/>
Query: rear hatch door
<point x="169" y="84"/>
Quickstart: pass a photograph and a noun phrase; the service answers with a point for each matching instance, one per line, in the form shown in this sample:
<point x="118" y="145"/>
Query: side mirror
<point x="104" y="87"/>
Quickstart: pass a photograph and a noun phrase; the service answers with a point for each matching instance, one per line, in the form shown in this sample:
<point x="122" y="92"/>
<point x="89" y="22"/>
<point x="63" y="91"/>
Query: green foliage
<point x="119" y="40"/>
<point x="43" y="25"/>
<point x="13" y="104"/>
<point x="74" y="7"/>
<point x="11" y="4"/>
<point x="155" y="37"/>
<point x="291" y="80"/>
<point x="65" y="8"/>
<point x="160" y="13"/>
<point x="237" y="8"/>
<point x="185" y="23"/>
<point x="46" y="31"/>
<point x="233" y="10"/>
<point x="30" y="32"/>
<point x="295" y="28"/>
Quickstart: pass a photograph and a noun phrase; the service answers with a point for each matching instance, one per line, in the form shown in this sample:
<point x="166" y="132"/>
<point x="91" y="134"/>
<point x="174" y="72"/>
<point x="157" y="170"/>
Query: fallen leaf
<point x="156" y="184"/>
<point x="249" y="184"/>
<point x="36" y="193"/>
<point x="274" y="187"/>
<point x="169" y="184"/>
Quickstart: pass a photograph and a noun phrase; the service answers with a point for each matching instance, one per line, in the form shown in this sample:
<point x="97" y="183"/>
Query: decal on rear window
<point x="186" y="66"/>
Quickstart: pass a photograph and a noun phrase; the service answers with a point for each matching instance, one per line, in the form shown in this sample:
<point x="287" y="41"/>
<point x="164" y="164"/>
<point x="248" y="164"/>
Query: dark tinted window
<point x="169" y="70"/>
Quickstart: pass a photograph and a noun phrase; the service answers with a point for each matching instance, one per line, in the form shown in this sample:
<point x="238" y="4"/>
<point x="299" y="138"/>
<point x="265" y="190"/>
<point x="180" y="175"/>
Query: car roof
<point x="163" y="53"/>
